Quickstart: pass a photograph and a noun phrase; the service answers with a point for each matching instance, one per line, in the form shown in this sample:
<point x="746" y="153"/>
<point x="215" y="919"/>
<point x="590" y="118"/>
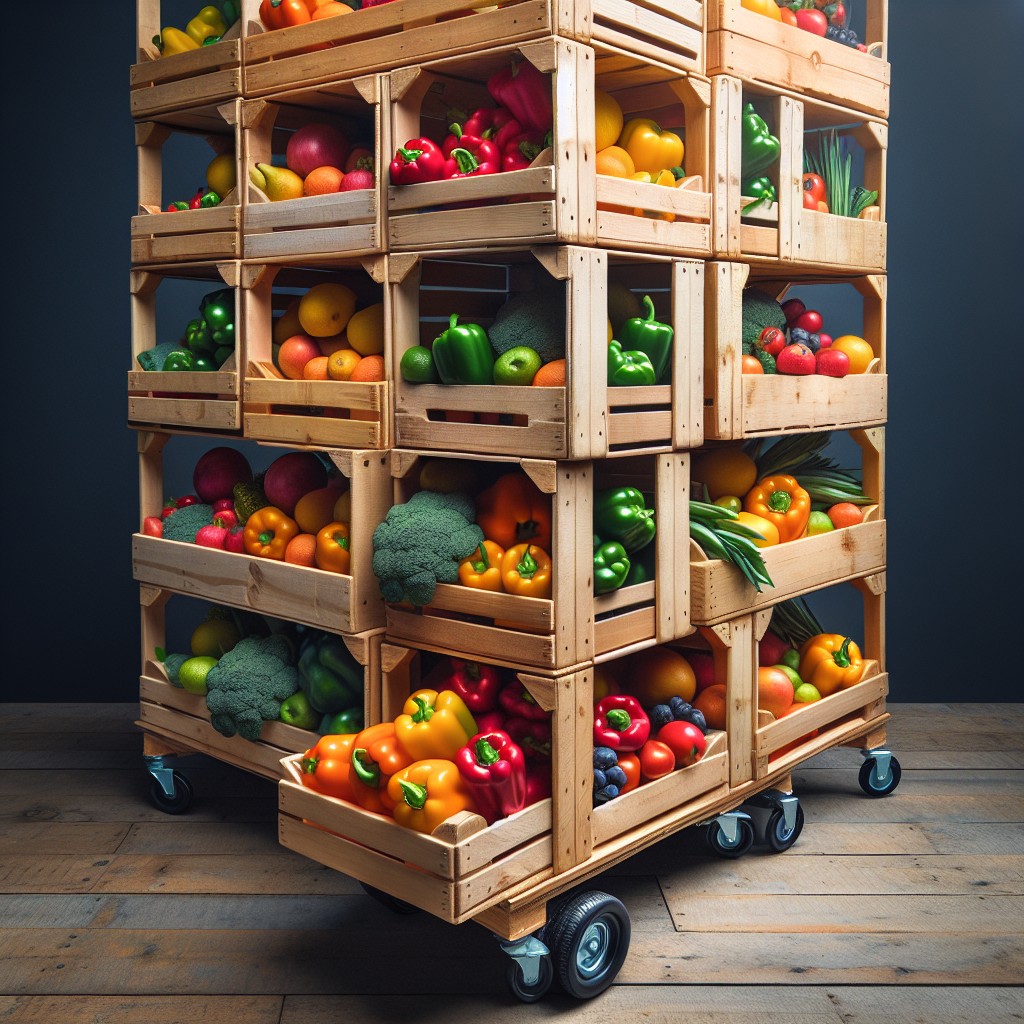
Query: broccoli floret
<point x="535" y="319"/>
<point x="760" y="310"/>
<point x="421" y="542"/>
<point x="184" y="523"/>
<point x="246" y="687"/>
<point x="766" y="359"/>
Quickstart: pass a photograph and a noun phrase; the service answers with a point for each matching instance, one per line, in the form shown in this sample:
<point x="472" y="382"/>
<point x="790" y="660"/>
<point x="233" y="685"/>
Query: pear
<point x="277" y="182"/>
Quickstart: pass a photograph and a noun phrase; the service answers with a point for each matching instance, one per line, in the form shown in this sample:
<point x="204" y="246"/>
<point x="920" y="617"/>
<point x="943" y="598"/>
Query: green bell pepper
<point x="179" y="359"/>
<point x="628" y="369"/>
<point x="620" y="514"/>
<point x="759" y="147"/>
<point x="223" y="354"/>
<point x="343" y="723"/>
<point x="645" y="334"/>
<point x="463" y="354"/>
<point x="641" y="567"/>
<point x="197" y="336"/>
<point x="205" y="363"/>
<point x="329" y="675"/>
<point x="218" y="310"/>
<point x="611" y="565"/>
<point x="761" y="190"/>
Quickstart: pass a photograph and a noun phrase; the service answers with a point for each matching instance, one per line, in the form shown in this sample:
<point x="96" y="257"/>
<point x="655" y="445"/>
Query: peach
<point x="294" y="353"/>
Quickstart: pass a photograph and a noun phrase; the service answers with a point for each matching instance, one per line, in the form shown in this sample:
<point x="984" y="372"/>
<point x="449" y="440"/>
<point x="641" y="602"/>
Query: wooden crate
<point x="183" y="399"/>
<point x="186" y="235"/>
<point x="718" y="592"/>
<point x="339" y="602"/>
<point x="748" y="45"/>
<point x="739" y="405"/>
<point x="340" y="223"/>
<point x="176" y="721"/>
<point x="785" y="232"/>
<point x="327" y="413"/>
<point x="574" y="625"/>
<point x="408" y="32"/>
<point x="559" y="198"/>
<point x="159" y="85"/>
<point x="583" y="420"/>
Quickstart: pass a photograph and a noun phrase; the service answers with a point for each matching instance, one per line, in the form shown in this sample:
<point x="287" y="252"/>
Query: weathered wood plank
<point x="141" y="1009"/>
<point x="48" y="838"/>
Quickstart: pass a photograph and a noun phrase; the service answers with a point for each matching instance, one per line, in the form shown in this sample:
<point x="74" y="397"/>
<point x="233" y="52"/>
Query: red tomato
<point x="153" y="526"/>
<point x="810" y="320"/>
<point x="656" y="759"/>
<point x="812" y="21"/>
<point x="814" y="185"/>
<point x="685" y="740"/>
<point x="630" y="764"/>
<point x="773" y="341"/>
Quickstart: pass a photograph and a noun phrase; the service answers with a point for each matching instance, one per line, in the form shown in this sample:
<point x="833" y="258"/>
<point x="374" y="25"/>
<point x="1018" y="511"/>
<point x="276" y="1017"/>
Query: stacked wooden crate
<point x="399" y="67"/>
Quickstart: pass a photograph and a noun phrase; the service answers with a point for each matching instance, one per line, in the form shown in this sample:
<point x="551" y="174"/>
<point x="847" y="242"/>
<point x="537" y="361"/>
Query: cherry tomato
<point x="656" y="759"/>
<point x="685" y="740"/>
<point x="773" y="340"/>
<point x="630" y="764"/>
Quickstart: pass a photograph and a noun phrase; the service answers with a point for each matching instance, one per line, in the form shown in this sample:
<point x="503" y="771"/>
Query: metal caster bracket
<point x="729" y="823"/>
<point x="882" y="758"/>
<point x="527" y="953"/>
<point x="162" y="772"/>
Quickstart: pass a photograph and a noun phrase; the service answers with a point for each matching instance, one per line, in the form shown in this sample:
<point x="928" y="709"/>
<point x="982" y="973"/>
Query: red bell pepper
<point x="532" y="736"/>
<point x="494" y="769"/>
<point x="517" y="702"/>
<point x="488" y="721"/>
<point x="521" y="150"/>
<point x="526" y="92"/>
<point x="476" y="684"/>
<point x="418" y="160"/>
<point x="538" y="781"/>
<point x="487" y="122"/>
<point x="472" y="155"/>
<point x="620" y="723"/>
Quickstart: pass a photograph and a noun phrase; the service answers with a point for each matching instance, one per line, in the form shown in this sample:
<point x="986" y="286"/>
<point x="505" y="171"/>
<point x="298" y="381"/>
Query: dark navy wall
<point x="70" y="619"/>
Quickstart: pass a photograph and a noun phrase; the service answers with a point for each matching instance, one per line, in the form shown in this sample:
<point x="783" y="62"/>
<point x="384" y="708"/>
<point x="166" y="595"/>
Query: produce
<point x="365" y="330"/>
<point x="832" y="161"/>
<point x="759" y="312"/>
<point x="482" y="569"/>
<point x="611" y="566"/>
<point x="774" y="690"/>
<point x="534" y="319"/>
<point x="247" y="685"/>
<point x="327" y="766"/>
<point x="820" y="476"/>
<point x="316" y="145"/>
<point x="857" y="350"/>
<point x="526" y="93"/>
<point x="184" y="523"/>
<point x="650" y="147"/>
<point x="620" y="723"/>
<point x="417" y="161"/>
<point x="290" y="476"/>
<point x="629" y="369"/>
<point x="193" y="671"/>
<point x="796" y="360"/>
<point x="248" y="497"/>
<point x="720" y="535"/>
<point x="609" y="778"/>
<point x="830" y="662"/>
<point x="783" y="502"/>
<point x="217" y="471"/>
<point x="420" y="544"/>
<point x="516" y="367"/>
<point x="609" y="119"/>
<point x="767" y="532"/>
<point x="687" y="743"/>
<point x="376" y="757"/>
<point x="621" y="514"/>
<point x="298" y="712"/>
<point x="329" y="675"/>
<point x="656" y="760"/>
<point x="526" y="570"/>
<point x="283" y="13"/>
<point x="759" y="148"/>
<point x="427" y="793"/>
<point x="832" y="362"/>
<point x="724" y="470"/>
<point x="657" y="674"/>
<point x="676" y="710"/>
<point x="332" y="548"/>
<point x="648" y="335"/>
<point x="493" y="769"/>
<point x="513" y="510"/>
<point x="478" y="685"/>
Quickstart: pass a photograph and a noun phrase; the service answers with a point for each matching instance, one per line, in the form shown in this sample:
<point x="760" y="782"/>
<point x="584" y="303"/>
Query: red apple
<point x="770" y="649"/>
<point x="226" y="517"/>
<point x="316" y="145"/>
<point x="810" y="320"/>
<point x="830" y="362"/>
<point x="703" y="665"/>
<point x="795" y="361"/>
<point x="153" y="526"/>
<point x="211" y="536"/>
<point x="356" y="180"/>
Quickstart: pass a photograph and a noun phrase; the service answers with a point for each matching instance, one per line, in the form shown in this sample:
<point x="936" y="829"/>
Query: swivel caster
<point x="880" y="773"/>
<point x="731" y="834"/>
<point x="778" y="818"/>
<point x="531" y="973"/>
<point x="170" y="791"/>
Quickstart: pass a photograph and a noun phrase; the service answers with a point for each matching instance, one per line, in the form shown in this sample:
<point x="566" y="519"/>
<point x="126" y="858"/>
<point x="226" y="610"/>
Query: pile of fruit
<point x="276" y="14"/>
<point x="787" y="338"/>
<point x="297" y="510"/>
<point x="645" y="726"/>
<point x="206" y="343"/>
<point x="220" y="181"/>
<point x="252" y="670"/>
<point x="472" y="738"/>
<point x="319" y="160"/>
<point x="321" y="335"/>
<point x="820" y="17"/>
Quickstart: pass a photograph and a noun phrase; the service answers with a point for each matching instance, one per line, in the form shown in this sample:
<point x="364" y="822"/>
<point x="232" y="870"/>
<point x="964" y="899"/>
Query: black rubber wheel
<point x="393" y="903"/>
<point x="179" y="801"/>
<point x="779" y="837"/>
<point x="718" y="841"/>
<point x="531" y="993"/>
<point x="588" y="939"/>
<point x="872" y="784"/>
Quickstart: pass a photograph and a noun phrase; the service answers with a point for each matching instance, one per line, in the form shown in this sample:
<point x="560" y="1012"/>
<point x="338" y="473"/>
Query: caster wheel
<point x="731" y="848"/>
<point x="778" y="835"/>
<point x="387" y="900"/>
<point x="179" y="801"/>
<point x="869" y="777"/>
<point x="588" y="939"/>
<point x="530" y="993"/>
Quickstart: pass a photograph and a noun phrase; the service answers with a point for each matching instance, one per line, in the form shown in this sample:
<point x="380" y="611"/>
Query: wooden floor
<point x="900" y="909"/>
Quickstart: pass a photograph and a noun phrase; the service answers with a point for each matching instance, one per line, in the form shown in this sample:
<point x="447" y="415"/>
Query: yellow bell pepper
<point x="651" y="148"/>
<point x="434" y="724"/>
<point x="209" y="22"/>
<point x="427" y="793"/>
<point x="830" y="662"/>
<point x="172" y="40"/>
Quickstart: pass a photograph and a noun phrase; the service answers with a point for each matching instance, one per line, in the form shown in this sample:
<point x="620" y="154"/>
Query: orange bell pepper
<point x="434" y="724"/>
<point x="427" y="793"/>
<point x="327" y="766"/>
<point x="267" y="532"/>
<point x="526" y="570"/>
<point x="482" y="569"/>
<point x="830" y="662"/>
<point x="514" y="509"/>
<point x="783" y="502"/>
<point x="376" y="756"/>
<point x="332" y="551"/>
<point x="282" y="13"/>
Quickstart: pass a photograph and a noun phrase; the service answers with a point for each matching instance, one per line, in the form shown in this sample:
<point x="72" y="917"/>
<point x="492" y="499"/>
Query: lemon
<point x="220" y="174"/>
<point x="193" y="672"/>
<point x="326" y="309"/>
<point x="214" y="637"/>
<point x="609" y="119"/>
<point x="366" y="330"/>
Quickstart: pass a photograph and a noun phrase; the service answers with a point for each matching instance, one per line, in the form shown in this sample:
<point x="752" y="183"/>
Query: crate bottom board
<point x="200" y="413"/>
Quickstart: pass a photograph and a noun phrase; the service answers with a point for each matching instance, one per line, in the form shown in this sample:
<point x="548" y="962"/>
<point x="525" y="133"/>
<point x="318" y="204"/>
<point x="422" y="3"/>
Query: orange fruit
<point x="366" y="330"/>
<point x="326" y="308"/>
<point x="609" y="119"/>
<point x="328" y="346"/>
<point x="711" y="703"/>
<point x="322" y="181"/>
<point x="751" y="364"/>
<point x="314" y="510"/>
<point x="656" y="674"/>
<point x="294" y="353"/>
<point x="315" y="369"/>
<point x="301" y="550"/>
<point x="614" y="160"/>
<point x="369" y="368"/>
<point x="550" y="375"/>
<point x="725" y="470"/>
<point x="845" y="514"/>
<point x="860" y="351"/>
<point x="342" y="362"/>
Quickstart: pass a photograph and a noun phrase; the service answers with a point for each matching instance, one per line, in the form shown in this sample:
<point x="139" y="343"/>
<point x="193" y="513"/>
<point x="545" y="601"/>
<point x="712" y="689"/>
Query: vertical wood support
<point x="672" y="579"/>
<point x="688" y="321"/>
<point x="573" y="584"/>
<point x="791" y="168"/>
<point x="727" y="110"/>
<point x="734" y="648"/>
<point x="723" y="309"/>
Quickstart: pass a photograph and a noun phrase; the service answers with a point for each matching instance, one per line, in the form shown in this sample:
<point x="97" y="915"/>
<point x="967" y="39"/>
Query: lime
<point x="805" y="693"/>
<point x="818" y="522"/>
<point x="517" y="366"/>
<point x="193" y="672"/>
<point x="214" y="637"/>
<point x="417" y="366"/>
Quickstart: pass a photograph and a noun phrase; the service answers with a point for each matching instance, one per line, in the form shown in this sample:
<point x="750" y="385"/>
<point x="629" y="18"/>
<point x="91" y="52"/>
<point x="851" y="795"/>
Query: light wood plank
<point x="173" y="1009"/>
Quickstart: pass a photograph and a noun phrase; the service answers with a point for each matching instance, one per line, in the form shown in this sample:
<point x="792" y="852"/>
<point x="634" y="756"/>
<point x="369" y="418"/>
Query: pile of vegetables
<point x="208" y="26"/>
<point x="474" y="739"/>
<point x="252" y="670"/>
<point x="819" y="17"/>
<point x="759" y="151"/>
<point x="275" y="14"/>
<point x="826" y="179"/>
<point x="787" y="338"/>
<point x="756" y="497"/>
<point x="206" y="343"/>
<point x="297" y="510"/>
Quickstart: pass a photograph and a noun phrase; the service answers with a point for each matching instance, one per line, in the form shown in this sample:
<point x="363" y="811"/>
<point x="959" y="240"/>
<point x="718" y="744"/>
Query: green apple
<point x="517" y="366"/>
<point x="792" y="659"/>
<point x="818" y="522"/>
<point x="193" y="672"/>
<point x="805" y="693"/>
<point x="794" y="676"/>
<point x="297" y="711"/>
